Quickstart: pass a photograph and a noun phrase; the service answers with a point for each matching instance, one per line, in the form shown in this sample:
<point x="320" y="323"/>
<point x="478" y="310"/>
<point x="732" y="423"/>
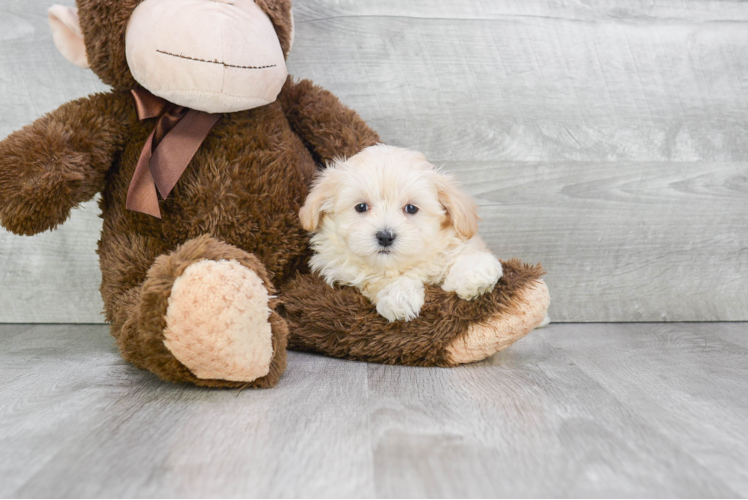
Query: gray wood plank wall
<point x="605" y="139"/>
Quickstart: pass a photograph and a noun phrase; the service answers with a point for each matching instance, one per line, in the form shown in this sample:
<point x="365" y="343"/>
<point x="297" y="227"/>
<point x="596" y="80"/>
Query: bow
<point x="175" y="139"/>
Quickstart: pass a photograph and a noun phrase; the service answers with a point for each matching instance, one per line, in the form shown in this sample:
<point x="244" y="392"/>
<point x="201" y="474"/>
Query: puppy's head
<point x="387" y="206"/>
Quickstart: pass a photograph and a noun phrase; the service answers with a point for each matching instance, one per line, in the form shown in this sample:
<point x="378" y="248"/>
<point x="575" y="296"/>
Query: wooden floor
<point x="654" y="410"/>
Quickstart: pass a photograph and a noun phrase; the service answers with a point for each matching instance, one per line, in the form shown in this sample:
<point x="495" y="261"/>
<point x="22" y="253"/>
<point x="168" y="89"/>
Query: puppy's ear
<point x="461" y="207"/>
<point x="322" y="192"/>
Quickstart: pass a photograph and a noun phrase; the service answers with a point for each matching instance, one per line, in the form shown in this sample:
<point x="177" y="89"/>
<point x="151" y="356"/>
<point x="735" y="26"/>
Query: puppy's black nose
<point x="385" y="238"/>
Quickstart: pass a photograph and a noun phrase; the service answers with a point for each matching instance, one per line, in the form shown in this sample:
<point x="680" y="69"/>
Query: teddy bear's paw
<point x="472" y="276"/>
<point x="401" y="300"/>
<point x="486" y="339"/>
<point x="217" y="322"/>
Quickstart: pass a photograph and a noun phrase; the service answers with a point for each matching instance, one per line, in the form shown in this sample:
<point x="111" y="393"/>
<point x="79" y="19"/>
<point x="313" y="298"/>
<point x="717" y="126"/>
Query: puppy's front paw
<point x="472" y="276"/>
<point x="401" y="300"/>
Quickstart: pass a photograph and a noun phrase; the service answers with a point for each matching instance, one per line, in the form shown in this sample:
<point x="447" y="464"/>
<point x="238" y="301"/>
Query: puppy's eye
<point x="361" y="208"/>
<point x="410" y="209"/>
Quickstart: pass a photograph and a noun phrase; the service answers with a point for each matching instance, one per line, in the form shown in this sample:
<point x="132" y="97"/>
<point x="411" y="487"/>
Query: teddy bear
<point x="203" y="153"/>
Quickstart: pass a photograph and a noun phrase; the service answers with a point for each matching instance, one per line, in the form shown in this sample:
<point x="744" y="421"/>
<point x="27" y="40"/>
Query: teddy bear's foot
<point x="217" y="322"/>
<point x="485" y="339"/>
<point x="206" y="315"/>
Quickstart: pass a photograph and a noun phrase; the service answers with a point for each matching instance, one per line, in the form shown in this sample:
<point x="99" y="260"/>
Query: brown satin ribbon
<point x="175" y="139"/>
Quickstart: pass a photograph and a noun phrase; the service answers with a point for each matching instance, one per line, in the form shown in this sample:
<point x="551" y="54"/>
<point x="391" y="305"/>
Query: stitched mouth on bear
<point x="216" y="61"/>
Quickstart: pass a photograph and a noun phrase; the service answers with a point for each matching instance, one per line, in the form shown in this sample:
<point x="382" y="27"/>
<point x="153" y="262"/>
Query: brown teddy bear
<point x="203" y="152"/>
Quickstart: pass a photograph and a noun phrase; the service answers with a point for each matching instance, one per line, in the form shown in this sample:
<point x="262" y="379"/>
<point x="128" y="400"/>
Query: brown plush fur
<point x="61" y="160"/>
<point x="103" y="23"/>
<point x="238" y="199"/>
<point x="329" y="131"/>
<point x="341" y="322"/>
<point x="279" y="12"/>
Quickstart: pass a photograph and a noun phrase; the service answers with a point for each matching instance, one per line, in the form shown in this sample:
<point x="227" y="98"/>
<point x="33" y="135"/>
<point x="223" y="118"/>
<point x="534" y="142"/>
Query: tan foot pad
<point x="217" y="322"/>
<point x="486" y="339"/>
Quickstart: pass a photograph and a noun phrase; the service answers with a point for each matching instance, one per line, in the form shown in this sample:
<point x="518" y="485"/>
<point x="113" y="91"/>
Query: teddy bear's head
<point x="211" y="55"/>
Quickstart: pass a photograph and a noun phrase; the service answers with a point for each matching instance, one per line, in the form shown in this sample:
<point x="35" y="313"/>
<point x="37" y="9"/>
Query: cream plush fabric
<point x="211" y="72"/>
<point x="217" y="322"/>
<point x="66" y="33"/>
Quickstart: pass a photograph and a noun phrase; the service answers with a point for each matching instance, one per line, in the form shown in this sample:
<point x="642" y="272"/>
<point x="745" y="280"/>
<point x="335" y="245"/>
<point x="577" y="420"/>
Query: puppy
<point x="386" y="222"/>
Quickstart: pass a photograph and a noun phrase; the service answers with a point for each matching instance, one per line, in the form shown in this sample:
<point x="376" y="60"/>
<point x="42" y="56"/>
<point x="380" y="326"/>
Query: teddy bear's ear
<point x="67" y="34"/>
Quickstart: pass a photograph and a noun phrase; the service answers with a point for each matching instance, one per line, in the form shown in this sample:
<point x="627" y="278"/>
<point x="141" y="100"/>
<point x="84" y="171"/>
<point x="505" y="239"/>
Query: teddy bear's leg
<point x="205" y="315"/>
<point x="449" y="331"/>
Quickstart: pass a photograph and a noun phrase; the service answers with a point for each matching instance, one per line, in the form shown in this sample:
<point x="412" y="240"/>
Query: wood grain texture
<point x="530" y="80"/>
<point x="636" y="241"/>
<point x="595" y="410"/>
<point x="605" y="139"/>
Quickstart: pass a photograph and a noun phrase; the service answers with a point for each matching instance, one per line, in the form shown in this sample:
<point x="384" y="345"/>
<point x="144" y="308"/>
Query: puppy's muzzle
<point x="386" y="238"/>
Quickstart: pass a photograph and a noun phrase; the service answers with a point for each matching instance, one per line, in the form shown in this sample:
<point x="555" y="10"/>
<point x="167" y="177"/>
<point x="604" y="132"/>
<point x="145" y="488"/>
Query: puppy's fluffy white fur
<point x="438" y="244"/>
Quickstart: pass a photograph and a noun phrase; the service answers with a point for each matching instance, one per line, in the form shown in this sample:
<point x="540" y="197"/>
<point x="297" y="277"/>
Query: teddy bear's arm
<point x="49" y="167"/>
<point x="328" y="128"/>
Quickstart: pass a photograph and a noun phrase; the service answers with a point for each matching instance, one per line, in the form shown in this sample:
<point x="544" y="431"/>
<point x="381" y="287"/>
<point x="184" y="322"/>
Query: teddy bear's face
<point x="217" y="56"/>
<point x="210" y="55"/>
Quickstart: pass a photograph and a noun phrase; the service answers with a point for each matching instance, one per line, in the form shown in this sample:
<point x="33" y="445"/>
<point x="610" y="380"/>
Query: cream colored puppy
<point x="386" y="222"/>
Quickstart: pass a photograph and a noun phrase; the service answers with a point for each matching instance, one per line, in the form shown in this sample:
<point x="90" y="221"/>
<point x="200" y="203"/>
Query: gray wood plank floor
<point x="655" y="410"/>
